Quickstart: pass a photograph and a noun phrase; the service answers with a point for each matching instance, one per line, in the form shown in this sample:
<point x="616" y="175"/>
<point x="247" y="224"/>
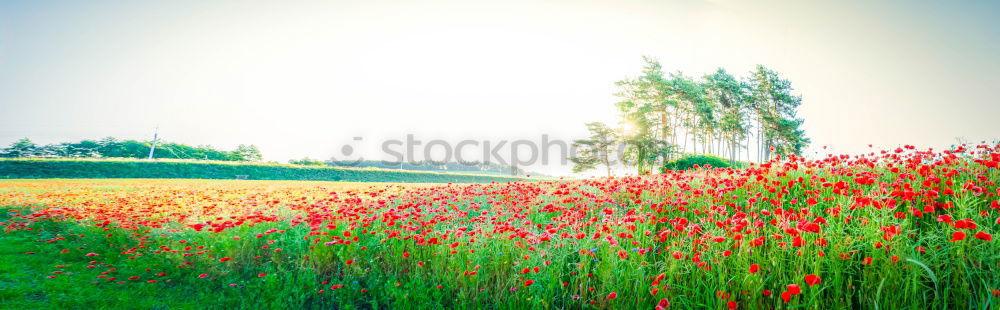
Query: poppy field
<point x="906" y="228"/>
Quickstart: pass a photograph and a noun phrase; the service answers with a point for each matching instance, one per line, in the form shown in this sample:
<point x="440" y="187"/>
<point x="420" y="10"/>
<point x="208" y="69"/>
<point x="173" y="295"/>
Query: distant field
<point x="185" y="169"/>
<point x="10" y="186"/>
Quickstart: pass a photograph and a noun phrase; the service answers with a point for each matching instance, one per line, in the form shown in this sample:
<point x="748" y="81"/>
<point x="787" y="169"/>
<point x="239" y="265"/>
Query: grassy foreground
<point x="187" y="169"/>
<point x="895" y="230"/>
<point x="47" y="278"/>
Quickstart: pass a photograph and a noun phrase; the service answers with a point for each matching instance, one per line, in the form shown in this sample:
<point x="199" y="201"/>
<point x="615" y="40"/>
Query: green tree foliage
<point x="599" y="149"/>
<point x="729" y="99"/>
<point x="306" y="161"/>
<point x="22" y="148"/>
<point x="646" y="151"/>
<point x="697" y="115"/>
<point x="665" y="116"/>
<point x="649" y="110"/>
<point x="247" y="153"/>
<point x="775" y="106"/>
<point x="114" y="148"/>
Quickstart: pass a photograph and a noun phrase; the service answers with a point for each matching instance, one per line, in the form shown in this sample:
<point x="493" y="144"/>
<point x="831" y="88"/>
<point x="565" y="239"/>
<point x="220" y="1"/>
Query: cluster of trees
<point x="306" y="161"/>
<point x="114" y="148"/>
<point x="665" y="116"/>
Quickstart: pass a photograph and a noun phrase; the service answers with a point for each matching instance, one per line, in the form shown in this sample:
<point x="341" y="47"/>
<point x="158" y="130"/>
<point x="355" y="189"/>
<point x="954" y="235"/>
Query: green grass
<point x="23" y="286"/>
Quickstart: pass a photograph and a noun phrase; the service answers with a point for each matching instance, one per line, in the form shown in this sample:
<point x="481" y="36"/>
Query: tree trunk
<point x="694" y="140"/>
<point x="674" y="121"/>
<point x="607" y="163"/>
<point x="664" y="124"/>
<point x="733" y="152"/>
<point x="719" y="145"/>
<point x="686" y="131"/>
<point x="694" y="135"/>
<point x="760" y="141"/>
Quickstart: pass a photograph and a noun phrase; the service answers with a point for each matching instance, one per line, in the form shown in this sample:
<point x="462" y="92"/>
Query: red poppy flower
<point x="982" y="235"/>
<point x="786" y="296"/>
<point x="794" y="289"/>
<point x="812" y="279"/>
<point x="754" y="268"/>
<point x="957" y="236"/>
<point x="663" y="304"/>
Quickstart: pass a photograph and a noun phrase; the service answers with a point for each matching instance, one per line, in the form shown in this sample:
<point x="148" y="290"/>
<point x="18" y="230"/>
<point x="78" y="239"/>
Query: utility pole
<point x="156" y="135"/>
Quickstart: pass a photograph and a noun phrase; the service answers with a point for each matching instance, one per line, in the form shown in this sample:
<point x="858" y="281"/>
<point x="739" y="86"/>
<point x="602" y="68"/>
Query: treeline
<point x="114" y="148"/>
<point x="667" y="116"/>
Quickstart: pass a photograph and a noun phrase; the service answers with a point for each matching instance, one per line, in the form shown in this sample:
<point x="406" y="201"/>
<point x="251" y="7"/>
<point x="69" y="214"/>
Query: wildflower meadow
<point x="895" y="229"/>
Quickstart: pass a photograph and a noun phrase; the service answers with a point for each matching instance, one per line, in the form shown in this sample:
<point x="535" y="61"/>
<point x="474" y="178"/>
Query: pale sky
<point x="302" y="79"/>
